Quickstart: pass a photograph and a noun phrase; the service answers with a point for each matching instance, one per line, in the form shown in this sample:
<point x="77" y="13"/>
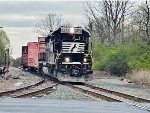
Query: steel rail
<point x="37" y="92"/>
<point x="94" y="94"/>
<point x="98" y="95"/>
<point x="7" y="93"/>
<point x="126" y="96"/>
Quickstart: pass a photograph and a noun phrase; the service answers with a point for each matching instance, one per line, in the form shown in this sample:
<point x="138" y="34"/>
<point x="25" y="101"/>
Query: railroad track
<point x="109" y="95"/>
<point x="120" y="94"/>
<point x="97" y="92"/>
<point x="92" y="92"/>
<point x="102" y="93"/>
<point x="106" y="94"/>
<point x="7" y="93"/>
<point x="41" y="87"/>
<point x="35" y="91"/>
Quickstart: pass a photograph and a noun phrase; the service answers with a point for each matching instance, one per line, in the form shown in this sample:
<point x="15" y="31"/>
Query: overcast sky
<point x="19" y="18"/>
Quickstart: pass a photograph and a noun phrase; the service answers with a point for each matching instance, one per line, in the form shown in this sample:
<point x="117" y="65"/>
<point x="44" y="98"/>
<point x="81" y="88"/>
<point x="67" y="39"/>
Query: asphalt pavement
<point x="9" y="105"/>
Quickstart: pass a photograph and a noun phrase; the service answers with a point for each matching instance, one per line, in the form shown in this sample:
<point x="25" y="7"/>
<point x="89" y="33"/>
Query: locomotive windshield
<point x="74" y="38"/>
<point x="64" y="39"/>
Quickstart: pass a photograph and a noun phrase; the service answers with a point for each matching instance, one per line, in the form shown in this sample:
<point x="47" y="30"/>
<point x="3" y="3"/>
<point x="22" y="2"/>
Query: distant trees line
<point x="120" y="21"/>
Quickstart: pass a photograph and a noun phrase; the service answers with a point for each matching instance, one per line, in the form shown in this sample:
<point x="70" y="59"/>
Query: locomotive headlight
<point x="72" y="30"/>
<point x="67" y="59"/>
<point x="85" y="60"/>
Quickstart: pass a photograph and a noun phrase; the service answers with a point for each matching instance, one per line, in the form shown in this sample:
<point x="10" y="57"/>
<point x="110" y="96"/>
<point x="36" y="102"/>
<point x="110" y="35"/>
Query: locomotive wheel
<point x="55" y="73"/>
<point x="50" y="70"/>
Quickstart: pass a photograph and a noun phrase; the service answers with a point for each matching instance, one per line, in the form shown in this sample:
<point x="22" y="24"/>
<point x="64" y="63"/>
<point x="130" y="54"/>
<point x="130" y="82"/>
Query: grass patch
<point x="139" y="77"/>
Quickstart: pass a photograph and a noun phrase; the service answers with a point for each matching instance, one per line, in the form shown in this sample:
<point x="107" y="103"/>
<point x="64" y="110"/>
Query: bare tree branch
<point x="51" y="22"/>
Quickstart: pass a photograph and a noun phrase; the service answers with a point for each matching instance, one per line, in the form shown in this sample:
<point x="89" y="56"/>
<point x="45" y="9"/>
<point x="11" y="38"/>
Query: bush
<point x="138" y="57"/>
<point x="119" y="60"/>
<point x="109" y="59"/>
<point x="119" y="67"/>
<point x="116" y="64"/>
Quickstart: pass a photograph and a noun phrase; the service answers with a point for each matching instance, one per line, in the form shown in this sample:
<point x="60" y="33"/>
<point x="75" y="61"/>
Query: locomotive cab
<point x="67" y="54"/>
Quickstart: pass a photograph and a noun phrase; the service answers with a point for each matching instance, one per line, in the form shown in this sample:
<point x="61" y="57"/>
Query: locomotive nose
<point x="75" y="72"/>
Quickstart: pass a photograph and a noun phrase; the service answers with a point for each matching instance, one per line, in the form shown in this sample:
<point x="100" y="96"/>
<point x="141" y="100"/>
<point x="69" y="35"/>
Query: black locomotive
<point x="68" y="56"/>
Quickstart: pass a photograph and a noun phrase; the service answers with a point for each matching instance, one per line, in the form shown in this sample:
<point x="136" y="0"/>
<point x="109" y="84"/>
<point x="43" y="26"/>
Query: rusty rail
<point x="7" y="93"/>
<point x="94" y="94"/>
<point x="126" y="96"/>
<point x="37" y="92"/>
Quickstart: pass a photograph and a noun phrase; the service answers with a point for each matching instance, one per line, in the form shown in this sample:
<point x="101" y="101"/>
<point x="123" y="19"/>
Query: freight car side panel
<point x="24" y="57"/>
<point x="42" y="46"/>
<point x="33" y="54"/>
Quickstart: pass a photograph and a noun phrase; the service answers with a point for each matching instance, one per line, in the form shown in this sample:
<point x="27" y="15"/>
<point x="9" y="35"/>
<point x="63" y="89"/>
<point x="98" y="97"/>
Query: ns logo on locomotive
<point x="67" y="55"/>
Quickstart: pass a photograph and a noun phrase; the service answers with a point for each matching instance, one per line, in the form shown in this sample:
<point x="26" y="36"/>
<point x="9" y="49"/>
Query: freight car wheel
<point x="23" y="67"/>
<point x="41" y="70"/>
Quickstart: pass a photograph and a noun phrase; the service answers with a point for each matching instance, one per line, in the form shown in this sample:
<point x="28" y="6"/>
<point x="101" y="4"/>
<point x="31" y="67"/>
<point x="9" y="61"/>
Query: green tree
<point x="16" y="62"/>
<point x="4" y="42"/>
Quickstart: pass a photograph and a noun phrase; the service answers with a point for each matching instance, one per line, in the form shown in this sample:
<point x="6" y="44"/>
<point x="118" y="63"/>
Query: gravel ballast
<point x="122" y="86"/>
<point x="66" y="93"/>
